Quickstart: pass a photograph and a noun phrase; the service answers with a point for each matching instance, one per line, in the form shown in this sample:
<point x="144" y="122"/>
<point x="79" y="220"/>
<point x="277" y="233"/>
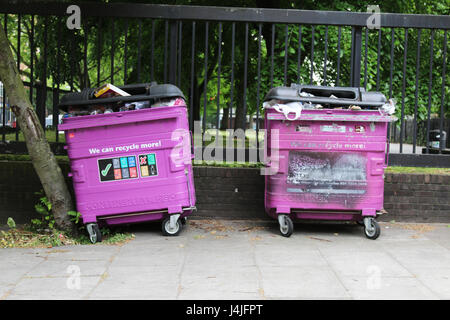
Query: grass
<point x="418" y="170"/>
<point x="26" y="157"/>
<point x="26" y="237"/>
<point x="201" y="163"/>
<point x="49" y="134"/>
<point x="250" y="137"/>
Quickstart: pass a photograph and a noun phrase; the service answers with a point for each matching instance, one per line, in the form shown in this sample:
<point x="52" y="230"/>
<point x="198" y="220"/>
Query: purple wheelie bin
<point x="131" y="166"/>
<point x="327" y="162"/>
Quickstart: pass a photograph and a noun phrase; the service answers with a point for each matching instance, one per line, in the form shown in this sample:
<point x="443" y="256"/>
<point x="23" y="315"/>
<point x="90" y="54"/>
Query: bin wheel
<point x="167" y="231"/>
<point x="183" y="221"/>
<point x="371" y="228"/>
<point x="287" y="227"/>
<point x="94" y="232"/>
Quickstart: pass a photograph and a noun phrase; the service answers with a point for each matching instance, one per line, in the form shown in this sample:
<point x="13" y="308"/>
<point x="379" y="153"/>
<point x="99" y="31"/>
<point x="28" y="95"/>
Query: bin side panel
<point x="130" y="167"/>
<point x="326" y="166"/>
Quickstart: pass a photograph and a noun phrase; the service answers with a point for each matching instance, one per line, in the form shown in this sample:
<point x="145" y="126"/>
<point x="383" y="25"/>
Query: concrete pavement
<point x="222" y="259"/>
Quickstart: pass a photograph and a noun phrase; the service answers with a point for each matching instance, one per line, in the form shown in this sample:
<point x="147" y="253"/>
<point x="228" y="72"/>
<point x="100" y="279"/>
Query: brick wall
<point x="229" y="192"/>
<point x="239" y="193"/>
<point x="417" y="197"/>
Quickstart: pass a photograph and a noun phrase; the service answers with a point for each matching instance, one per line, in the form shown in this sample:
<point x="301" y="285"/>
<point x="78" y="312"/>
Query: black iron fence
<point x="226" y="59"/>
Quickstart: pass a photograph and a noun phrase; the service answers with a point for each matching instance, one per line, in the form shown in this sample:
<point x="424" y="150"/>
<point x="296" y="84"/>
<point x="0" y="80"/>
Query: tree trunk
<point x="240" y="117"/>
<point x="225" y="119"/>
<point x="43" y="159"/>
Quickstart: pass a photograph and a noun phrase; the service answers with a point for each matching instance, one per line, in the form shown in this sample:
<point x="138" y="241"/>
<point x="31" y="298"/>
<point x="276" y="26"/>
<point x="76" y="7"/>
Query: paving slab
<point x="353" y="262"/>
<point x="53" y="288"/>
<point x="137" y="283"/>
<point x="226" y="282"/>
<point x="304" y="282"/>
<point x="375" y="287"/>
<point x="64" y="268"/>
<point x="15" y="266"/>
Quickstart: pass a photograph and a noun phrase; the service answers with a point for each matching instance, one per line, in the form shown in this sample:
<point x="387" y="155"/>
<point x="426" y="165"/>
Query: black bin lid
<point x="161" y="91"/>
<point x="138" y="92"/>
<point x="322" y="95"/>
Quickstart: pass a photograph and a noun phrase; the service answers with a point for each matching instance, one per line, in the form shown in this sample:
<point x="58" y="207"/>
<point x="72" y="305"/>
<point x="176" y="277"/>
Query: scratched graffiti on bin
<point x="327" y="176"/>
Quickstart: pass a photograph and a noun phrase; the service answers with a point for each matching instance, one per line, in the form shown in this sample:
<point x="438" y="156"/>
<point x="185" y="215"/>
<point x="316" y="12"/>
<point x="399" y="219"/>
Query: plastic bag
<point x="135" y="105"/>
<point x="288" y="108"/>
<point x="169" y="103"/>
<point x="388" y="107"/>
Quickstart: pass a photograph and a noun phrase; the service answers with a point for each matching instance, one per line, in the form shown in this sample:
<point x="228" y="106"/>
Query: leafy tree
<point x="43" y="159"/>
<point x="98" y="35"/>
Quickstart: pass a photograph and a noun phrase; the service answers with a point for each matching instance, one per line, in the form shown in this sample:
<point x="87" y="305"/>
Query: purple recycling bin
<point x="328" y="164"/>
<point x="131" y="166"/>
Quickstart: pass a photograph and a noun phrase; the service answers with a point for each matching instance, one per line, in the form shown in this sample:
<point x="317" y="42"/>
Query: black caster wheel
<point x="286" y="226"/>
<point x="167" y="231"/>
<point x="94" y="232"/>
<point x="371" y="228"/>
<point x="183" y="221"/>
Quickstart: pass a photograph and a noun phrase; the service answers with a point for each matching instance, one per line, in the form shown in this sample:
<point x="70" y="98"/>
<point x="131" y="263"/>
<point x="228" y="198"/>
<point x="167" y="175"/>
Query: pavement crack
<point x="24" y="276"/>
<point x="412" y="274"/>
<point x="334" y="272"/>
<point x="261" y="292"/>
<point x="180" y="273"/>
<point x="105" y="274"/>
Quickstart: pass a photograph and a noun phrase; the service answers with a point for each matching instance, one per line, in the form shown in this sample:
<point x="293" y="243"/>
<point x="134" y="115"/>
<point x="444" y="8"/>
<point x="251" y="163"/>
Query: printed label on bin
<point x="147" y="165"/>
<point x="303" y="128"/>
<point x="333" y="128"/>
<point x="114" y="169"/>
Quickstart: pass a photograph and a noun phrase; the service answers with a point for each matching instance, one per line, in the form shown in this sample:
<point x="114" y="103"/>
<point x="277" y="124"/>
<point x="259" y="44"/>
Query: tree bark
<point x="43" y="159"/>
<point x="225" y="119"/>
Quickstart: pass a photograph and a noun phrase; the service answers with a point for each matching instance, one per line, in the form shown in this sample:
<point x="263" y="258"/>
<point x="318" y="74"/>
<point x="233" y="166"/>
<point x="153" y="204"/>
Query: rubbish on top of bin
<point x="109" y="90"/>
<point x="315" y="97"/>
<point x="286" y="108"/>
<point x="169" y="102"/>
<point x="109" y="98"/>
<point x="292" y="100"/>
<point x="388" y="107"/>
<point x="137" y="105"/>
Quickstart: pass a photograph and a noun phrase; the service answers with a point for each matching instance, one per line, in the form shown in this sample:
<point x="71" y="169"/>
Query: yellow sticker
<point x="144" y="171"/>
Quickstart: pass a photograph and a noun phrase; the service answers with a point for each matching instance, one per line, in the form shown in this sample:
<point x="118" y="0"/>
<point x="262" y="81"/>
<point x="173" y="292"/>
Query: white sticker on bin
<point x="333" y="128"/>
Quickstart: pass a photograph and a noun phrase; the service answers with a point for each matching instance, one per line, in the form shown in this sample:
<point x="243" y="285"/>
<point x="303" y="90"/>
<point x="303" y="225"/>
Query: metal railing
<point x="226" y="59"/>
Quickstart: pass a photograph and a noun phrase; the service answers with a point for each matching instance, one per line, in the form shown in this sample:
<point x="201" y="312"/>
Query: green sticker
<point x="105" y="171"/>
<point x="151" y="159"/>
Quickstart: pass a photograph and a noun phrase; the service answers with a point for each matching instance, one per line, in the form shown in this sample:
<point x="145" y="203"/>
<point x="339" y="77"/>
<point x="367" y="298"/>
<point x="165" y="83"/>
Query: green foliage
<point x="74" y="216"/>
<point x="201" y="163"/>
<point x="44" y="209"/>
<point x="41" y="232"/>
<point x="11" y="223"/>
<point x="71" y="65"/>
<point x="418" y="170"/>
<point x="26" y="157"/>
<point x="27" y="238"/>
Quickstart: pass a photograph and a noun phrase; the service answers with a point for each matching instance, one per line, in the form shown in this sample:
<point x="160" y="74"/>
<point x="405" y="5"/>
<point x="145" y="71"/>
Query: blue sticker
<point x="123" y="162"/>
<point x="132" y="161"/>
